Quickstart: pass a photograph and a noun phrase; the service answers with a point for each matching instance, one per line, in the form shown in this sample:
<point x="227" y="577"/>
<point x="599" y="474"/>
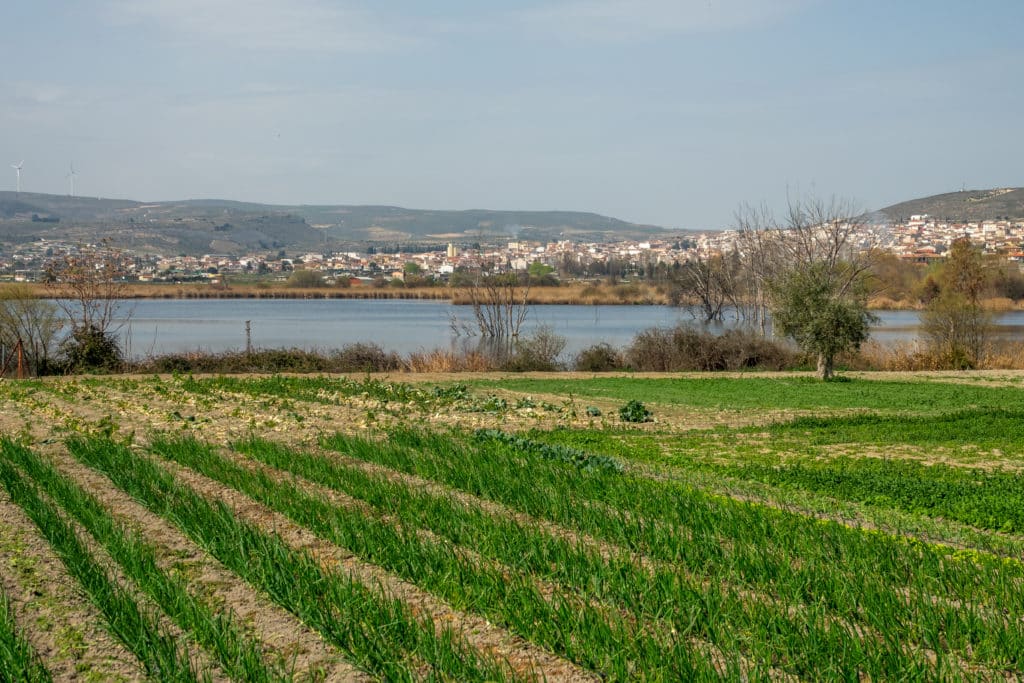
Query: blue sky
<point x="659" y="111"/>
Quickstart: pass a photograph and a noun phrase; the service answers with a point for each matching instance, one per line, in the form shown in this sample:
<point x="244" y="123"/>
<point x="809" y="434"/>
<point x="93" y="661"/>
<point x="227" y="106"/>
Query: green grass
<point x="798" y="454"/>
<point x="986" y="428"/>
<point x="18" y="660"/>
<point x="775" y="393"/>
<point x="988" y="500"/>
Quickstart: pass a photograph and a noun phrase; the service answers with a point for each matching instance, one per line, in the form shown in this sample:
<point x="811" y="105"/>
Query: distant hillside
<point x="967" y="205"/>
<point x="391" y="223"/>
<point x="214" y="225"/>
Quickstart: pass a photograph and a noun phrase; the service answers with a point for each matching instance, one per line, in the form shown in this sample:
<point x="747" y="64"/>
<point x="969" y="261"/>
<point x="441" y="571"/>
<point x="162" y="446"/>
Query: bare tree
<point x="707" y="283"/>
<point x="499" y="302"/>
<point x="757" y="244"/>
<point x="89" y="286"/>
<point x="834" y="234"/>
<point x="956" y="324"/>
<point x="35" y="322"/>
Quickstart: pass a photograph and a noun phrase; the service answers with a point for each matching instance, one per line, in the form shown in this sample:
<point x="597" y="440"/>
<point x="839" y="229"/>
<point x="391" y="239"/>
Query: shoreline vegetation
<point x="577" y="294"/>
<point x="659" y="350"/>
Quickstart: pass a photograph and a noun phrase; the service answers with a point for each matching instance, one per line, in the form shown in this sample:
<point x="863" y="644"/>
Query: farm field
<point x="488" y="527"/>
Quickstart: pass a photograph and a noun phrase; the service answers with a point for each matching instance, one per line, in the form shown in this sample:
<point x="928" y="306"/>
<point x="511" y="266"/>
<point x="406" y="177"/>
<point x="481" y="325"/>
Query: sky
<point x="668" y="112"/>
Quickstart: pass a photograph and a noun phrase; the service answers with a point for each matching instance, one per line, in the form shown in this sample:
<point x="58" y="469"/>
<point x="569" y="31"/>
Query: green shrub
<point x="680" y="348"/>
<point x="539" y="352"/>
<point x="91" y="349"/>
<point x="598" y="358"/>
<point x="634" y="411"/>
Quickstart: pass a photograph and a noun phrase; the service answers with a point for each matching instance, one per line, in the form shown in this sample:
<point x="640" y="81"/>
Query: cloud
<point x="277" y="25"/>
<point x="632" y="20"/>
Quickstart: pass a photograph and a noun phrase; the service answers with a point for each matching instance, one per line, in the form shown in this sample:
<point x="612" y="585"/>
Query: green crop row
<point x="239" y="656"/>
<point x="138" y="629"/>
<point x="887" y="583"/>
<point x="790" y="454"/>
<point x="18" y="659"/>
<point x="981" y="427"/>
<point x="379" y="633"/>
<point x="581" y="459"/>
<point x="596" y="638"/>
<point x="985" y="499"/>
<point x="763" y="630"/>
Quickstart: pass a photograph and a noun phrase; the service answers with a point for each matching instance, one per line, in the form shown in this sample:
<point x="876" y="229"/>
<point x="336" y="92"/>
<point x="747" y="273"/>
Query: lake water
<point x="168" y="326"/>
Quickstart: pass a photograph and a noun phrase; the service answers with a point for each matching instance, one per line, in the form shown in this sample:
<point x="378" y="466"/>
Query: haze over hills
<point x="202" y="226"/>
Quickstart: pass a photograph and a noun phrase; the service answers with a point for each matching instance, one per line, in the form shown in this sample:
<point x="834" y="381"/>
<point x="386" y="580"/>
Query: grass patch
<point x="775" y="393"/>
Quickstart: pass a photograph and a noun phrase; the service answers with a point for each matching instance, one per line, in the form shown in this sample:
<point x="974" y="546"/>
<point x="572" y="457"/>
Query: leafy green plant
<point x="634" y="411"/>
<point x="581" y="459"/>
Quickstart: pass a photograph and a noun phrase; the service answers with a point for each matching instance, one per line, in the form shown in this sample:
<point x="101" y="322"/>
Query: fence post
<point x="21" y="360"/>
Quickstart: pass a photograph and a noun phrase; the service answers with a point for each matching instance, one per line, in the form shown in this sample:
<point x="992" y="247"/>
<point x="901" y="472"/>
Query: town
<point x="921" y="238"/>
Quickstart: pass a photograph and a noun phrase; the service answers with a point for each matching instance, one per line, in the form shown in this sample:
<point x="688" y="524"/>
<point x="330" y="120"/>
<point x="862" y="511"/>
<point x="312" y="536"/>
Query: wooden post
<point x="21" y="360"/>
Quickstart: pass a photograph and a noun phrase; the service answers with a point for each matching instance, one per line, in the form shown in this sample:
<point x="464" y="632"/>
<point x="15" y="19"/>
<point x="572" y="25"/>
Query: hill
<point x="215" y="225"/>
<point x="966" y="205"/>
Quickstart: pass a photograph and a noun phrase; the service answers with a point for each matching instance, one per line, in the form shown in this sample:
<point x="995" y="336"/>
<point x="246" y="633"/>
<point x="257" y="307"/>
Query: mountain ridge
<point x="195" y="226"/>
<point x="223" y="225"/>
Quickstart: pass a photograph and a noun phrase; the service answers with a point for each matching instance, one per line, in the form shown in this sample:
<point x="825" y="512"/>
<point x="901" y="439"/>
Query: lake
<point x="162" y="326"/>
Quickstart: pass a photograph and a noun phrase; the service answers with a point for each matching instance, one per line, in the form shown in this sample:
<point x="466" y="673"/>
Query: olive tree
<point x="823" y="322"/>
<point x="819" y="292"/>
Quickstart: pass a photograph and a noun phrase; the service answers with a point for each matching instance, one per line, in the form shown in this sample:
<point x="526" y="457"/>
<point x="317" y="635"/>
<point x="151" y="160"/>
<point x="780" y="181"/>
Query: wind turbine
<point x="71" y="177"/>
<point x="17" y="169"/>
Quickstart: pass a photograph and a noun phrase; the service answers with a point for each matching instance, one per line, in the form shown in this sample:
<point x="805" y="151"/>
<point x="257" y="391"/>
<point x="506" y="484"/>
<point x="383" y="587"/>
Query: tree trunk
<point x="824" y="366"/>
